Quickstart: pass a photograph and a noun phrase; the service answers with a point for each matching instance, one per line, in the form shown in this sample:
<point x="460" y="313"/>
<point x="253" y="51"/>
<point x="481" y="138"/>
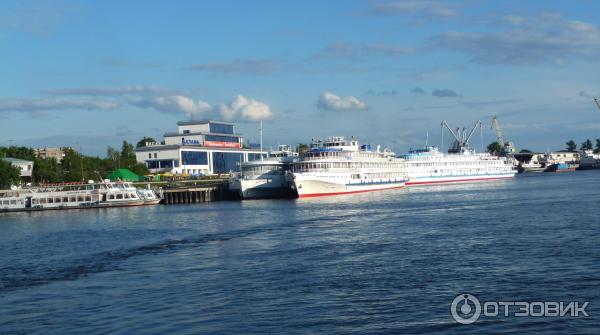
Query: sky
<point x="90" y="74"/>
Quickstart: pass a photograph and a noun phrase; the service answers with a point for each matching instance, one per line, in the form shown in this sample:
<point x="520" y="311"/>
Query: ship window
<point x="73" y="199"/>
<point x="57" y="200"/>
<point x="43" y="201"/>
<point x="65" y="199"/>
<point x="88" y="198"/>
<point x="13" y="202"/>
<point x="80" y="198"/>
<point x="119" y="196"/>
<point x="50" y="200"/>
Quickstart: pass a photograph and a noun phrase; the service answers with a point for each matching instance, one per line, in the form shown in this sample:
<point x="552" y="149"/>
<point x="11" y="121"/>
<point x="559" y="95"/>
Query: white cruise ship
<point x="430" y="166"/>
<point x="69" y="196"/>
<point x="265" y="178"/>
<point x="337" y="166"/>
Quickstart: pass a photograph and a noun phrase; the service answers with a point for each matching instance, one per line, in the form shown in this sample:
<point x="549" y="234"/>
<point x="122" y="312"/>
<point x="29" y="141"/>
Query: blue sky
<point x="91" y="74"/>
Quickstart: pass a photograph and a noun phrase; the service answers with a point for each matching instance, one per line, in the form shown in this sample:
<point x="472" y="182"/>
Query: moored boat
<point x="561" y="167"/>
<point x="430" y="166"/>
<point x="68" y="196"/>
<point x="265" y="177"/>
<point x="337" y="166"/>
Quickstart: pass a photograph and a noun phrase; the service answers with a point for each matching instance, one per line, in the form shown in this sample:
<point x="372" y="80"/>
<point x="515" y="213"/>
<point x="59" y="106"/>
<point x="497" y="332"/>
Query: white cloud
<point x="544" y="39"/>
<point x="30" y="105"/>
<point x="346" y="50"/>
<point x="248" y="66"/>
<point x="110" y="91"/>
<point x="330" y="101"/>
<point x="438" y="9"/>
<point x="246" y="109"/>
<point x="174" y="104"/>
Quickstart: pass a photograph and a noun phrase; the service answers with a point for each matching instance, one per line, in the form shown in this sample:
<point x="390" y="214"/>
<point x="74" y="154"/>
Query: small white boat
<point x="149" y="196"/>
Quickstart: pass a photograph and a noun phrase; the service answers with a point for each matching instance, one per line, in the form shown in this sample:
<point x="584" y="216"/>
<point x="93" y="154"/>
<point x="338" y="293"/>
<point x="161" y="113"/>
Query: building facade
<point x="25" y="167"/>
<point x="57" y="153"/>
<point x="198" y="148"/>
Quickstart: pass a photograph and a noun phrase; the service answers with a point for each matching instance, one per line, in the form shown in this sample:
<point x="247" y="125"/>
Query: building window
<point x="186" y="131"/>
<point x="155" y="155"/>
<point x="218" y="138"/>
<point x="149" y="155"/>
<point x="221" y="128"/>
<point x="225" y="162"/>
<point x="194" y="157"/>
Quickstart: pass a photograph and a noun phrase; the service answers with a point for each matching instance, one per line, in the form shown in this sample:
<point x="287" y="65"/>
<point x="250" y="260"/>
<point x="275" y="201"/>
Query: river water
<point x="383" y="262"/>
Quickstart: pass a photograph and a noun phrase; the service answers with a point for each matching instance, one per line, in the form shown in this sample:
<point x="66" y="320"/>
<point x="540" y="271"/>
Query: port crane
<point x="507" y="147"/>
<point x="461" y="137"/>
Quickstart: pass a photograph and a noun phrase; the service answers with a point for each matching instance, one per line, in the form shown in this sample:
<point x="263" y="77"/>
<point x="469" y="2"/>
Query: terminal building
<point x="198" y="148"/>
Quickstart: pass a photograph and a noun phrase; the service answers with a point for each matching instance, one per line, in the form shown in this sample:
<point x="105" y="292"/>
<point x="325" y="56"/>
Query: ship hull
<point x="307" y="188"/>
<point x="82" y="206"/>
<point x="277" y="187"/>
<point x="457" y="179"/>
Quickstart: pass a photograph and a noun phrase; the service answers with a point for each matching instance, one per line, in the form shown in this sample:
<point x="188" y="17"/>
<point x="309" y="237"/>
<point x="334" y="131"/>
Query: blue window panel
<point x="221" y="128"/>
<point x="218" y="138"/>
<point x="254" y="157"/>
<point x="225" y="162"/>
<point x="194" y="158"/>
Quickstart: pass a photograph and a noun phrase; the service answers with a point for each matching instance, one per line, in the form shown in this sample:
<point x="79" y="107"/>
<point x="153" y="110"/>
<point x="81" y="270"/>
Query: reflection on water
<point x="389" y="261"/>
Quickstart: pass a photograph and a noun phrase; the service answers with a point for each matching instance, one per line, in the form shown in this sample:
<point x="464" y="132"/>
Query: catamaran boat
<point x="460" y="164"/>
<point x="266" y="177"/>
<point x="339" y="166"/>
<point x="68" y="196"/>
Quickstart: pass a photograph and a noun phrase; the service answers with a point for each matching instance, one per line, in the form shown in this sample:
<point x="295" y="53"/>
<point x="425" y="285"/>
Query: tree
<point x="525" y="151"/>
<point x="127" y="155"/>
<point x="72" y="166"/>
<point x="129" y="161"/>
<point x="597" y="145"/>
<point x="142" y="143"/>
<point x="494" y="148"/>
<point x="587" y="145"/>
<point x="47" y="170"/>
<point x="113" y="157"/>
<point x="9" y="175"/>
<point x="571" y="146"/>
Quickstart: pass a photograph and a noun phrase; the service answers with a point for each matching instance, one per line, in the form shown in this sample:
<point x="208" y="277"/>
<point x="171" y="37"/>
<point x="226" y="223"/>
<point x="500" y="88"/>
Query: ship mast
<point x="261" y="140"/>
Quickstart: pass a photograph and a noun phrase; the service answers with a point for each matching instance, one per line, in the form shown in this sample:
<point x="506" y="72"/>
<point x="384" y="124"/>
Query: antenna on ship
<point x="261" y="140"/>
<point x="427" y="140"/>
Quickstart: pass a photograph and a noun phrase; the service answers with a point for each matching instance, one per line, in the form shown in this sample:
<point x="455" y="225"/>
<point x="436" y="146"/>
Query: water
<point x="384" y="262"/>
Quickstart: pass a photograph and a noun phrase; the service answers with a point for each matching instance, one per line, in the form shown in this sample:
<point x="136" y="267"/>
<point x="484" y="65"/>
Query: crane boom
<point x="499" y="134"/>
<point x="445" y="124"/>
<point x="597" y="102"/>
<point x="461" y="137"/>
<point x="477" y="124"/>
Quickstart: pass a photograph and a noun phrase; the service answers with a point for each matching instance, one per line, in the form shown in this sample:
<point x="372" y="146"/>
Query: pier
<point x="192" y="195"/>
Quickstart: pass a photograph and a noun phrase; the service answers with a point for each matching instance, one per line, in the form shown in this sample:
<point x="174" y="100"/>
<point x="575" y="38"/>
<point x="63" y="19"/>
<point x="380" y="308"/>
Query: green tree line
<point x="73" y="167"/>
<point x="585" y="145"/>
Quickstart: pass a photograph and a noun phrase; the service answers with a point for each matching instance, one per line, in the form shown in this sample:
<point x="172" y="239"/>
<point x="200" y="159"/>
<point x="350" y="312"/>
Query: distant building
<point x="198" y="147"/>
<point x="44" y="153"/>
<point x="26" y="167"/>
